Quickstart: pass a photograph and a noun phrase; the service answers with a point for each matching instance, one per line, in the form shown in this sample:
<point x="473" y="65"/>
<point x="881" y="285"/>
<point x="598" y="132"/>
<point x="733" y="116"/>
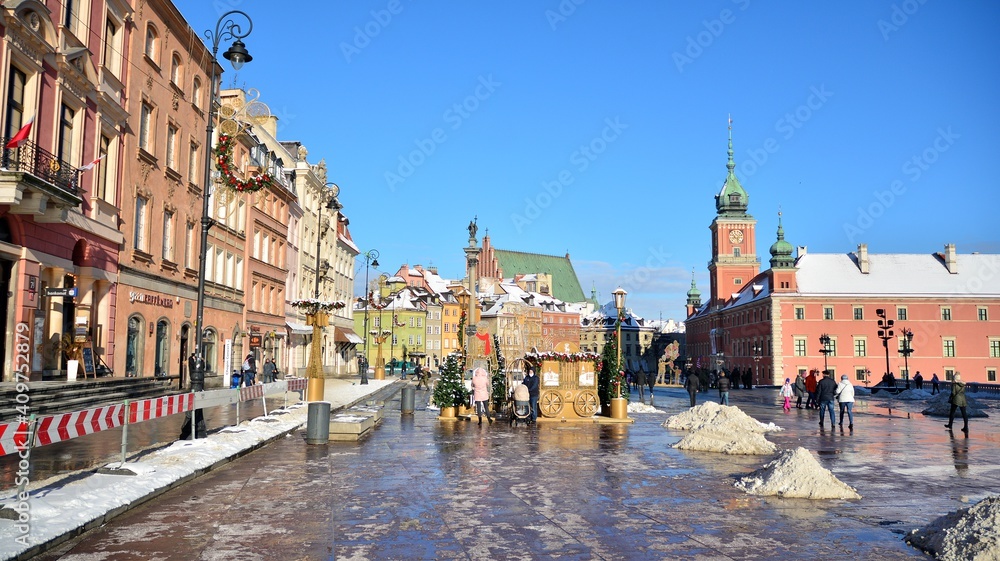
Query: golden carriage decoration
<point x="567" y="384"/>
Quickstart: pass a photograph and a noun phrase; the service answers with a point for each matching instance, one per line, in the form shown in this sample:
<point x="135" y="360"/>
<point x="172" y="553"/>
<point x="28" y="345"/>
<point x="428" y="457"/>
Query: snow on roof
<point x="898" y="274"/>
<point x="437" y="284"/>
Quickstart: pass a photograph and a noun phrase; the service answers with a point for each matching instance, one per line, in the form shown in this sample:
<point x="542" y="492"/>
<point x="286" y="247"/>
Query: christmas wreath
<point x="311" y="305"/>
<point x="224" y="159"/>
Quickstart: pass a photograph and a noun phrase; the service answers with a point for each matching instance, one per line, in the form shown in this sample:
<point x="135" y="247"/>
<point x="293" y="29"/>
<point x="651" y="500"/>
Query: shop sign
<point x="255" y="341"/>
<point x="151" y="299"/>
<point x="61" y="292"/>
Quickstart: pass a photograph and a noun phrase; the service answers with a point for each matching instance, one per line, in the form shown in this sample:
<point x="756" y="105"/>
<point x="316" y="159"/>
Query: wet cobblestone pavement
<point x="420" y="488"/>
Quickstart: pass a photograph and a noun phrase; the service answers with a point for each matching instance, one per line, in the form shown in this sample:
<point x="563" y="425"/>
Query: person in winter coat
<point x="786" y="392"/>
<point x="269" y="370"/>
<point x="826" y="391"/>
<point x="532" y="382"/>
<point x="811" y="384"/>
<point x="723" y="383"/>
<point x="845" y="396"/>
<point x="249" y="370"/>
<point x="800" y="390"/>
<point x="934" y="384"/>
<point x="481" y="394"/>
<point x="691" y="385"/>
<point x="958" y="401"/>
<point x="640" y="383"/>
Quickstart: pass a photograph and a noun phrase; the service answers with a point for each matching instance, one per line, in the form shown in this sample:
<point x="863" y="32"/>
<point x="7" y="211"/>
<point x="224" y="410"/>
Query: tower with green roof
<point x="782" y="273"/>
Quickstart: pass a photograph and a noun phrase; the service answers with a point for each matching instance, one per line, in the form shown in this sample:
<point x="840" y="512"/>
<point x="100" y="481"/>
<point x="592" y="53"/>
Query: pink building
<point x="771" y="322"/>
<point x="64" y="66"/>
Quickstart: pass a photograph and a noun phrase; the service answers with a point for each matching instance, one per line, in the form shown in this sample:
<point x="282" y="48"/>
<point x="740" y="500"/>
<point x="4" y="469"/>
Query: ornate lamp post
<point x="225" y="28"/>
<point x="824" y="340"/>
<point x="885" y="333"/>
<point x="906" y="351"/>
<point x="371" y="258"/>
<point x="318" y="319"/>
<point x="619" y="407"/>
<point x="756" y="364"/>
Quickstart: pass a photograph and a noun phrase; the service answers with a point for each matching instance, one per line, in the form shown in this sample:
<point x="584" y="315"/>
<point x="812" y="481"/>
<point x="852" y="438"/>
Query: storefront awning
<point x="345" y="335"/>
<point x="299" y="328"/>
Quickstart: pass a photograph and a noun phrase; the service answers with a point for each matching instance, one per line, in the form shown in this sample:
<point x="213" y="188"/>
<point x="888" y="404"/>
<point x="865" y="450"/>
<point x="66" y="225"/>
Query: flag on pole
<point x="21" y="136"/>
<point x="92" y="164"/>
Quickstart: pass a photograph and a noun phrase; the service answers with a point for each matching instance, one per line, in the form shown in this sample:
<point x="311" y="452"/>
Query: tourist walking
<point x="723" y="383"/>
<point x="799" y="389"/>
<point x="934" y="384"/>
<point x="811" y="383"/>
<point x="531" y="381"/>
<point x="249" y="370"/>
<point x="481" y="394"/>
<point x="958" y="401"/>
<point x="786" y="392"/>
<point x="845" y="396"/>
<point x="640" y="383"/>
<point x="691" y="385"/>
<point x="826" y="391"/>
<point x="918" y="381"/>
<point x="269" y="369"/>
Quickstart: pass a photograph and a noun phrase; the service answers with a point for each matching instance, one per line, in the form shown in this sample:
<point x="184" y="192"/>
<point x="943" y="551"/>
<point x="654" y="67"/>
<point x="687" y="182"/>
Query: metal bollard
<point x="406" y="400"/>
<point x="318" y="423"/>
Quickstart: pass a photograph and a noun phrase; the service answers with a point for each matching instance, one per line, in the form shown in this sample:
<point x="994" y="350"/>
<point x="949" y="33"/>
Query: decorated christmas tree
<point x="610" y="377"/>
<point x="450" y="391"/>
<point x="500" y="389"/>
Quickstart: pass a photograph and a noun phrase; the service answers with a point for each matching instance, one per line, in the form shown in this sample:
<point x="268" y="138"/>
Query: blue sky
<point x="599" y="128"/>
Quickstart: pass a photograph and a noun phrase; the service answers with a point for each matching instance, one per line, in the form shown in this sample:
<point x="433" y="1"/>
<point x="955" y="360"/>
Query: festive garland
<point x="224" y="159"/>
<point x="383" y="333"/>
<point x="311" y="305"/>
<point x="562" y="357"/>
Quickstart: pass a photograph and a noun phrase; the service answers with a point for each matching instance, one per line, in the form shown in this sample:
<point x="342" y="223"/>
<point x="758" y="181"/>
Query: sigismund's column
<point x="472" y="263"/>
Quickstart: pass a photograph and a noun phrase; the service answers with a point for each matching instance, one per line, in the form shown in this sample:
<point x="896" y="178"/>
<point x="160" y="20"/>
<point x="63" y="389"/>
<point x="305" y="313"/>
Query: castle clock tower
<point x="734" y="240"/>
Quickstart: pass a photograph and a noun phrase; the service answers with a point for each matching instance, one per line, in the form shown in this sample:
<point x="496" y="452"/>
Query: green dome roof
<point x="733" y="200"/>
<point x="781" y="251"/>
<point x="694" y="295"/>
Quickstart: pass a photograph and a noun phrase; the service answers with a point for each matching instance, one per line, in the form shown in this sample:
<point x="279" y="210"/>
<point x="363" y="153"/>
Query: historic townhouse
<point x="64" y="122"/>
<point x="771" y="322"/>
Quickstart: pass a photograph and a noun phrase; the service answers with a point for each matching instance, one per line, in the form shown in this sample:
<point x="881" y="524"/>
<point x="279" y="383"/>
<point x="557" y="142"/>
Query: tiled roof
<point x="565" y="284"/>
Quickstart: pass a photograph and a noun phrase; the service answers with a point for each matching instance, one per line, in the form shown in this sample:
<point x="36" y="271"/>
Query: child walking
<point x="786" y="392"/>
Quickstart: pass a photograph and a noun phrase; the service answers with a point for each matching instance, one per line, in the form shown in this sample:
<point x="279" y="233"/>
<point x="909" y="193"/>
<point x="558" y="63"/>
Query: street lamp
<point x="371" y="258"/>
<point x="321" y="230"/>
<point x="885" y="333"/>
<point x="237" y="55"/>
<point x="619" y="295"/>
<point x="756" y="364"/>
<point x="824" y="340"/>
<point x="906" y="351"/>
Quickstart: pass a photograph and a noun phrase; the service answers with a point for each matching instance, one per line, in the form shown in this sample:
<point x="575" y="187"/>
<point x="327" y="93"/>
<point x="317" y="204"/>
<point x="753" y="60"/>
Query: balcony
<point x="35" y="181"/>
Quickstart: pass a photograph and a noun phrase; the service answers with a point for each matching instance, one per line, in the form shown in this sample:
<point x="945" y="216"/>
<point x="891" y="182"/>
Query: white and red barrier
<point x="157" y="407"/>
<point x="57" y="428"/>
<point x="297" y="384"/>
<point x="13" y="437"/>
<point x="255" y="391"/>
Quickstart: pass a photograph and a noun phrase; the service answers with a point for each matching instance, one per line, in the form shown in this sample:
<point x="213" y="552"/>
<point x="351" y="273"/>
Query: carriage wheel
<point x="586" y="403"/>
<point x="550" y="404"/>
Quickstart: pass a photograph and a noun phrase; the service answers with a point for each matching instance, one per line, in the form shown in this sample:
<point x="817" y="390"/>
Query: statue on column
<point x="473" y="229"/>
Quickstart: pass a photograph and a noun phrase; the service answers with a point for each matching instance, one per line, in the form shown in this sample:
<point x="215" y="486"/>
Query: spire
<point x="694" y="295"/>
<point x="781" y="251"/>
<point x="733" y="199"/>
<point x="731" y="165"/>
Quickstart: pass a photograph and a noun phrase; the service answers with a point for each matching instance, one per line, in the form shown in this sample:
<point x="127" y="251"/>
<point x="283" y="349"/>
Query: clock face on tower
<point x="736" y="236"/>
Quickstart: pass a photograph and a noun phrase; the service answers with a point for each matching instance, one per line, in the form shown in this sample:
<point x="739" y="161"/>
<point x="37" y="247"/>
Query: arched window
<point x="162" y="359"/>
<point x="149" y="49"/>
<point x="196" y="93"/>
<point x="211" y="360"/>
<point x="175" y="70"/>
<point x="134" y="347"/>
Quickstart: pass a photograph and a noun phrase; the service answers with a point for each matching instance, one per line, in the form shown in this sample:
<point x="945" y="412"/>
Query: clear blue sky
<point x="626" y="103"/>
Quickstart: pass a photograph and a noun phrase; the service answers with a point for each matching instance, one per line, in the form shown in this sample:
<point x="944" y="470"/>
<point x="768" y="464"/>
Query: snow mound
<point x="713" y="414"/>
<point x="970" y="533"/>
<point x="796" y="474"/>
<point x="861" y="391"/>
<point x="636" y="407"/>
<point x="938" y="406"/>
<point x="727" y="441"/>
<point x="913" y="395"/>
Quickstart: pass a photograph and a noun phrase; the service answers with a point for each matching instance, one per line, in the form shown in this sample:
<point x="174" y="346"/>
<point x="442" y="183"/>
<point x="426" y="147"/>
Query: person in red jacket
<point x="811" y="384"/>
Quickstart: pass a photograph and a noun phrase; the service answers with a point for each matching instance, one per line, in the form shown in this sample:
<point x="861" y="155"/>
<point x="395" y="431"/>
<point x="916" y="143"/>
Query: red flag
<point x="21" y="135"/>
<point x="92" y="164"/>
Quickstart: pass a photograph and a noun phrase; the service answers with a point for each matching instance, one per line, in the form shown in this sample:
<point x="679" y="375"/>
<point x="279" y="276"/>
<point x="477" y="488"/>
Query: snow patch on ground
<point x="637" y="407"/>
<point x="711" y="413"/>
<point x="913" y="395"/>
<point x="796" y="474"/>
<point x="939" y="406"/>
<point x="727" y="441"/>
<point x="967" y="534"/>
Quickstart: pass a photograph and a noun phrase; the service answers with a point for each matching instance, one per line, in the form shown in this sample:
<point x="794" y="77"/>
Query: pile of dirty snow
<point x="970" y="533"/>
<point x="861" y="391"/>
<point x="713" y="414"/>
<point x="727" y="441"/>
<point x="939" y="406"/>
<point x="913" y="395"/>
<point x="796" y="474"/>
<point x="637" y="407"/>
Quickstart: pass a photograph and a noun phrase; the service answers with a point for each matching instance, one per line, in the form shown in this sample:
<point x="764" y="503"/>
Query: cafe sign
<point x="151" y="299"/>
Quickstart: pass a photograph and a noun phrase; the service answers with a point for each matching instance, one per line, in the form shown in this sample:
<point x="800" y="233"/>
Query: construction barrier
<point x="51" y="429"/>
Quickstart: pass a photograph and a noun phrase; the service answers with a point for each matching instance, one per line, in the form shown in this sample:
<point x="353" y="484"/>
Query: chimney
<point x="950" y="258"/>
<point x="800" y="251"/>
<point x="863" y="258"/>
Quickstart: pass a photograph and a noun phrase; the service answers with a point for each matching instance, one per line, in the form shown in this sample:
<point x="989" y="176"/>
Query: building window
<point x="145" y="126"/>
<point x="104" y="190"/>
<point x="15" y="101"/>
<point x="149" y="48"/>
<point x="134" y="348"/>
<point x="860" y="347"/>
<point x="949" y="374"/>
<point x="994" y="348"/>
<point x="110" y="29"/>
<point x="139" y="237"/>
<point x="168" y="236"/>
<point x="945" y="313"/>
<point x="991" y="375"/>
<point x="827" y="312"/>
<point x="859" y="374"/>
<point x="736" y="252"/>
<point x="800" y="346"/>
<point x="982" y="314"/>
<point x="900" y="314"/>
<point x="209" y="343"/>
<point x="193" y="164"/>
<point x="833" y="348"/>
<point x="66" y="118"/>
<point x="419" y="341"/>
<point x="395" y="340"/>
<point x="800" y="312"/>
<point x="196" y="93"/>
<point x="171" y="147"/>
<point x="859" y="312"/>
<point x="949" y="348"/>
<point x="175" y="69"/>
<point x="189" y="246"/>
<point x="737" y="281"/>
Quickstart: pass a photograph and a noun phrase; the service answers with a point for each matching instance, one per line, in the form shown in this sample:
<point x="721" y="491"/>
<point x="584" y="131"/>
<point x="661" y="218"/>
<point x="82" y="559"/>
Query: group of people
<point x="482" y="391"/>
<point x="821" y="393"/>
<point x="248" y="372"/>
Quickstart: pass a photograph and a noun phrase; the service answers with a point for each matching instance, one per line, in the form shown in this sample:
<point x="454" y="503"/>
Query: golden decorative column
<point x="315" y="387"/>
<point x="379" y="361"/>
